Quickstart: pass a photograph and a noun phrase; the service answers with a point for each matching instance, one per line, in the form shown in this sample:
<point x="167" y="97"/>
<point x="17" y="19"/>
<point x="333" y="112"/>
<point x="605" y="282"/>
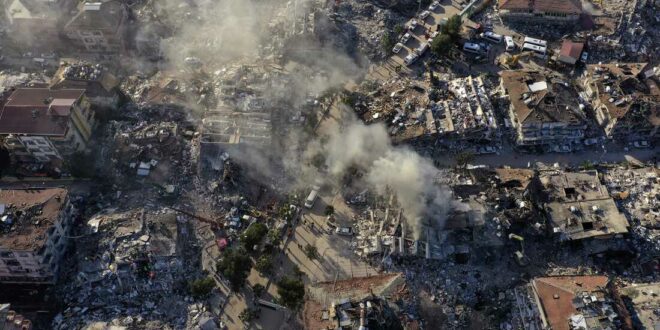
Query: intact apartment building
<point x="34" y="224"/>
<point x="44" y="125"/>
<point x="541" y="11"/>
<point x="543" y="111"/>
<point x="625" y="99"/>
<point x="98" y="27"/>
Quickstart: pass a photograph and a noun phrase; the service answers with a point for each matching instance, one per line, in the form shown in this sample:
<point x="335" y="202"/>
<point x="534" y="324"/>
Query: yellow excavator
<point x="512" y="61"/>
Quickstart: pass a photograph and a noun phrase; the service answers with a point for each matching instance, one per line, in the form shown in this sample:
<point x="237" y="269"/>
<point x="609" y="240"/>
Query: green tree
<point x="274" y="236"/>
<point x="398" y="29"/>
<point x="253" y="235"/>
<point x="291" y="292"/>
<point x="264" y="264"/>
<point x="464" y="158"/>
<point x="387" y="41"/>
<point x="453" y="27"/>
<point x="258" y="290"/>
<point x="329" y="210"/>
<point x="441" y="45"/>
<point x="201" y="288"/>
<point x="247" y="315"/>
<point x="235" y="267"/>
<point x="297" y="272"/>
<point x="311" y="251"/>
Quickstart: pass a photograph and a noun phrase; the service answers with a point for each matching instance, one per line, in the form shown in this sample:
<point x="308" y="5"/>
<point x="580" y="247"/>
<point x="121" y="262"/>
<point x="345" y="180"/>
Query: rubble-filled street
<point x="343" y="164"/>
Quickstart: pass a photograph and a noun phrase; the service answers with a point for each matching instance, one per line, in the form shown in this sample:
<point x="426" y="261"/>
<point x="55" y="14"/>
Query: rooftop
<point x="39" y="111"/>
<point x="566" y="299"/>
<point x="94" y="78"/>
<point x="548" y="6"/>
<point x="618" y="87"/>
<point x="27" y="216"/>
<point x="571" y="49"/>
<point x="539" y="99"/>
<point x="237" y="128"/>
<point x="98" y="15"/>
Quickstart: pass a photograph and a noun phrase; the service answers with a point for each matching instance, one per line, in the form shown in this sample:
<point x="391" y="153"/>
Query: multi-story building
<point x="546" y="11"/>
<point x="544" y="111"/>
<point x="44" y="125"/>
<point x="625" y="99"/>
<point x="35" y="224"/>
<point x="32" y="22"/>
<point x="98" y="27"/>
<point x="100" y="85"/>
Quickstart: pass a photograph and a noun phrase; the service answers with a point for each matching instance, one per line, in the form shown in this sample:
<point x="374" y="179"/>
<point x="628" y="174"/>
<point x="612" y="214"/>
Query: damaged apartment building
<point x="577" y="206"/>
<point x="34" y="226"/>
<point x="99" y="84"/>
<point x="625" y="99"/>
<point x="569" y="302"/>
<point x="541" y="11"/>
<point x="34" y="23"/>
<point x="44" y="125"/>
<point x="469" y="115"/>
<point x="544" y="111"/>
<point x="98" y="27"/>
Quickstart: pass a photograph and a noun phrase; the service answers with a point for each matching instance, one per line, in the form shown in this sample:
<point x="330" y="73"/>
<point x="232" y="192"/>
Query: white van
<point x="510" y="45"/>
<point x="472" y="48"/>
<point x="492" y="37"/>
<point x="538" y="51"/>
<point x="309" y="202"/>
<point x="535" y="41"/>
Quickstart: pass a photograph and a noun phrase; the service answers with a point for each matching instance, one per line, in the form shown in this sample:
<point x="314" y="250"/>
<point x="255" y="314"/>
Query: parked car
<point x="346" y="231"/>
<point x="641" y="144"/>
<point x="584" y="57"/>
<point x="424" y="14"/>
<point x="485" y="150"/>
<point x="410" y="59"/>
<point x="413" y="25"/>
<point x="405" y="38"/>
<point x="510" y="45"/>
<point x="397" y="48"/>
<point x="434" y="5"/>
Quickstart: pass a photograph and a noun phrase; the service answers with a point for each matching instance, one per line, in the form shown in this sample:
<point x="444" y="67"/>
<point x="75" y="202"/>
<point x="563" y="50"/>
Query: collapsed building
<point x="469" y="115"/>
<point x="578" y="206"/>
<point x="544" y="111"/>
<point x="625" y="99"/>
<point x="34" y="226"/>
<point x="569" y="302"/>
<point x="99" y="84"/>
<point x="131" y="265"/>
<point x="34" y="23"/>
<point x="44" y="125"/>
<point x="11" y="320"/>
<point x="542" y="11"/>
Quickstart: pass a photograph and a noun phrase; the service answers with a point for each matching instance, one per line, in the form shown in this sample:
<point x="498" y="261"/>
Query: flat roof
<point x="32" y="213"/>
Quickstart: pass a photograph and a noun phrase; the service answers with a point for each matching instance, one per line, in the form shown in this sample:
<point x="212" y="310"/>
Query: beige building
<point x="543" y="111"/>
<point x="44" y="125"/>
<point x="35" y="225"/>
<point x="546" y="11"/>
<point x="625" y="99"/>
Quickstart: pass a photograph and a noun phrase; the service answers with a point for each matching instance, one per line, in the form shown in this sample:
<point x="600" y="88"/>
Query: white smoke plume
<point x="397" y="168"/>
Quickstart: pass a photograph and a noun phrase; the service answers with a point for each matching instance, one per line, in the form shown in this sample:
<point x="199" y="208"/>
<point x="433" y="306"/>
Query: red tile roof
<point x="38" y="111"/>
<point x="548" y="6"/>
<point x="557" y="293"/>
<point x="571" y="49"/>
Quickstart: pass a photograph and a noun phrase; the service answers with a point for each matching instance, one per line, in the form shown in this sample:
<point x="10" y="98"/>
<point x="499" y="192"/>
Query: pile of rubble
<point x="133" y="270"/>
<point x="83" y="71"/>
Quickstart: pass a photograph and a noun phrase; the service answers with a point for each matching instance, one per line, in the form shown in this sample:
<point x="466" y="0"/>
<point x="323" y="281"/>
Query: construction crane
<point x="198" y="217"/>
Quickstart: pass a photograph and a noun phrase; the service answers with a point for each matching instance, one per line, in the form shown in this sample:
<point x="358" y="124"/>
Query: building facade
<point x="546" y="11"/>
<point x="98" y="27"/>
<point x="544" y="112"/>
<point x="44" y="125"/>
<point x="35" y="225"/>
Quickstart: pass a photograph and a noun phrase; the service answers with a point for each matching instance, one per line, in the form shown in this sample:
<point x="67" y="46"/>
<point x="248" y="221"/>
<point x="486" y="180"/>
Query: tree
<point x="329" y="210"/>
<point x="235" y="267"/>
<point x="398" y="29"/>
<point x="311" y="252"/>
<point x="453" y="27"/>
<point x="274" y="237"/>
<point x="248" y="314"/>
<point x="442" y="44"/>
<point x="201" y="288"/>
<point x="291" y="292"/>
<point x="387" y="42"/>
<point x="258" y="290"/>
<point x="264" y="264"/>
<point x="253" y="235"/>
<point x="464" y="158"/>
<point x="297" y="272"/>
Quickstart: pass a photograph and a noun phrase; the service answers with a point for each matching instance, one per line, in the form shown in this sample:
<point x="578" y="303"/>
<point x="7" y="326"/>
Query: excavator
<point x="512" y="61"/>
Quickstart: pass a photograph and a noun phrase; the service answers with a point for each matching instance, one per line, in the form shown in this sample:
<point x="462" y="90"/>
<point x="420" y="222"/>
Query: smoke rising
<point x="399" y="169"/>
